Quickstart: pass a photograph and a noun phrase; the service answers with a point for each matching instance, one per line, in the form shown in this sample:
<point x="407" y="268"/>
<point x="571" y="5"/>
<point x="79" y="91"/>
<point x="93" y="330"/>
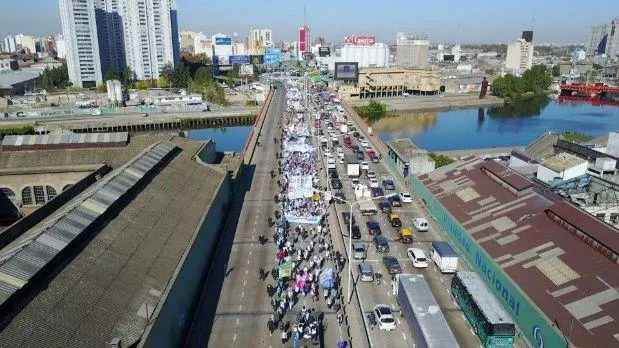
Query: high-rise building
<point x="603" y="39"/>
<point x="79" y="30"/>
<point x="519" y="55"/>
<point x="304" y="40"/>
<point x="140" y="34"/>
<point x="259" y="40"/>
<point x="9" y="44"/>
<point x="26" y="42"/>
<point x="411" y="52"/>
<point x="61" y="48"/>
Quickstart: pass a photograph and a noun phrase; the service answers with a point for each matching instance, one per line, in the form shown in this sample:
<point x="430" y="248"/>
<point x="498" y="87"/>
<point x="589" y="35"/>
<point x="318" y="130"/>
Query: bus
<point x="423" y="314"/>
<point x="490" y="321"/>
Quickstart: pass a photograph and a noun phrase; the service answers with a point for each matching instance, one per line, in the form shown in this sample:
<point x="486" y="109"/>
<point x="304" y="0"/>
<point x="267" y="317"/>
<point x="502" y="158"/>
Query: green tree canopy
<point x="556" y="70"/>
<point x="536" y="80"/>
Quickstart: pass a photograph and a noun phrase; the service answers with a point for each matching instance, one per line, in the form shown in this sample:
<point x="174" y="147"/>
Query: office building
<point x="304" y="40"/>
<point x="79" y="30"/>
<point x="259" y="40"/>
<point x="411" y="51"/>
<point x="519" y="55"/>
<point x="603" y="40"/>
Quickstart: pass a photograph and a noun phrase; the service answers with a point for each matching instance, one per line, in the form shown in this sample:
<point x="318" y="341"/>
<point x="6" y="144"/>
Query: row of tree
<point x="535" y="81"/>
<point x="55" y="78"/>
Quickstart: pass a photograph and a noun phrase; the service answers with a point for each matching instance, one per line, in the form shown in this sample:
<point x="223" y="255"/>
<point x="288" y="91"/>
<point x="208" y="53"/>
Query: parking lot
<point x="372" y="293"/>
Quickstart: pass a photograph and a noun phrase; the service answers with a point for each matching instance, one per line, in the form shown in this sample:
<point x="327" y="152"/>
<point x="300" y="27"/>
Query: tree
<point x="201" y="76"/>
<point x="128" y="77"/>
<point x="536" y="80"/>
<point x="440" y="160"/>
<point x="556" y="70"/>
<point x="372" y="111"/>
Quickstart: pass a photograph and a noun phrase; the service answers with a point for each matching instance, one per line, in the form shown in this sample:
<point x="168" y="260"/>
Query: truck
<point x="367" y="207"/>
<point x="422" y="312"/>
<point x="353" y="169"/>
<point x="444" y="257"/>
<point x="344" y="128"/>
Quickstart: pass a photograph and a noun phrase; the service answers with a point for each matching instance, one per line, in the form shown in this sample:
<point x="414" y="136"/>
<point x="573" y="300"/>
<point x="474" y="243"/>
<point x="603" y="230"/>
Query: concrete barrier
<point x="250" y="144"/>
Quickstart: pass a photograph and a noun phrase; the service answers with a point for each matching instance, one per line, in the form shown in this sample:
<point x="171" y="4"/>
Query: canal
<point x="226" y="138"/>
<point x="512" y="125"/>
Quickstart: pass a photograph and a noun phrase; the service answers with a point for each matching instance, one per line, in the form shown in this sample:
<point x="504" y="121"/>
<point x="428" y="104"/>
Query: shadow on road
<point x="203" y="320"/>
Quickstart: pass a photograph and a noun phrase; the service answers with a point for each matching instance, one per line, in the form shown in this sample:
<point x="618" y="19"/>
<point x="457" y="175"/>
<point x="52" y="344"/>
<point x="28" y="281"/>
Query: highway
<point x="370" y="293"/>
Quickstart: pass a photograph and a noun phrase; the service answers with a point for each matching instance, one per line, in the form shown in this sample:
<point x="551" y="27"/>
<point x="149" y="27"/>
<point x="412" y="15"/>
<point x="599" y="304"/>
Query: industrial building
<point x="391" y="82"/>
<point x="408" y="159"/>
<point x="552" y="266"/>
<point x="411" y="52"/>
<point x="119" y="258"/>
<point x="17" y="82"/>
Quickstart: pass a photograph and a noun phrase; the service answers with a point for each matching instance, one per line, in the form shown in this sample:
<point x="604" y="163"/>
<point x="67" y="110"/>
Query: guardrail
<point x="250" y="144"/>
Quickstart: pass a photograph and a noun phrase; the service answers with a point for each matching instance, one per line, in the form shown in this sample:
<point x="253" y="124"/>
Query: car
<point x="355" y="148"/>
<point x="394" y="220"/>
<point x="417" y="257"/>
<point x="388" y="184"/>
<point x="342" y="160"/>
<point x="365" y="166"/>
<point x="373" y="182"/>
<point x="392" y="265"/>
<point x="373" y="228"/>
<point x="340" y="197"/>
<point x="395" y="201"/>
<point x="346" y="217"/>
<point x="384" y="317"/>
<point x="356" y="232"/>
<point x="340" y="155"/>
<point x="330" y="160"/>
<point x="360" y="156"/>
<point x="336" y="184"/>
<point x="366" y="271"/>
<point x="384" y="206"/>
<point x="377" y="192"/>
<point x="371" y="174"/>
<point x="333" y="174"/>
<point x="381" y="244"/>
<point x="349" y="123"/>
<point x="363" y="142"/>
<point x="328" y="153"/>
<point x="355" y="134"/>
<point x="406" y="197"/>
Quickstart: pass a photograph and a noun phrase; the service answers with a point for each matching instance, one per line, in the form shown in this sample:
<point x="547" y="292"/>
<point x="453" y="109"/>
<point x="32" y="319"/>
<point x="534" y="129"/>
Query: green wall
<point x="527" y="316"/>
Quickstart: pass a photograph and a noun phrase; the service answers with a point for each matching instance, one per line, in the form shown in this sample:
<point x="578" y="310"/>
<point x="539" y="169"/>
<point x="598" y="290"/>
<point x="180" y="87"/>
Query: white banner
<point x="300" y="186"/>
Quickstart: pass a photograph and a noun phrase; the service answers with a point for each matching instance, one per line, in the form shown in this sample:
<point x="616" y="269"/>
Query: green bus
<point x="490" y="321"/>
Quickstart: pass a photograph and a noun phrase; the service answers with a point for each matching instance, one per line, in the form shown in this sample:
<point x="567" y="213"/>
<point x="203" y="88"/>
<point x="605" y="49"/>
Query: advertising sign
<point x="223" y="41"/>
<point x="324" y="51"/>
<point x="257" y="59"/>
<point x="221" y="60"/>
<point x="359" y="40"/>
<point x="243" y="59"/>
<point x="246" y="70"/>
<point x="346" y="71"/>
<point x="272" y="56"/>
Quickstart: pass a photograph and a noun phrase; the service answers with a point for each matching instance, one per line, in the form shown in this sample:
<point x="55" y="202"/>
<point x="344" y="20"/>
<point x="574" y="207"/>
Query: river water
<point x="512" y="125"/>
<point x="226" y="138"/>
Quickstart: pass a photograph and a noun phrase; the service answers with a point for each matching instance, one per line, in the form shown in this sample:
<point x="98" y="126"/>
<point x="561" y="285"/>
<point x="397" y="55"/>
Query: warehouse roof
<point x="81" y="139"/>
<point x="562" y="258"/>
<point x="110" y="284"/>
<point x="562" y="161"/>
<point x="10" y="78"/>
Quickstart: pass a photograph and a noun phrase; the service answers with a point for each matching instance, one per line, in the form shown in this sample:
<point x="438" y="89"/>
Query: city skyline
<point x="473" y="22"/>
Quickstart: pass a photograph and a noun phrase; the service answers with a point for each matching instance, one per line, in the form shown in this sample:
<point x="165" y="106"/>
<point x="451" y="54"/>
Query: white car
<point x="365" y="166"/>
<point x="328" y="153"/>
<point x="342" y="160"/>
<point x="330" y="160"/>
<point x="405" y="197"/>
<point x="417" y="257"/>
<point x="373" y="183"/>
<point x="364" y="142"/>
<point x="421" y="224"/>
<point x="384" y="317"/>
<point x="340" y="154"/>
<point x="349" y="123"/>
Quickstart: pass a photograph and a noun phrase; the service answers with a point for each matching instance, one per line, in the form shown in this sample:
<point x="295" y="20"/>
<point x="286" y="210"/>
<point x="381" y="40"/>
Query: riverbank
<point x="429" y="103"/>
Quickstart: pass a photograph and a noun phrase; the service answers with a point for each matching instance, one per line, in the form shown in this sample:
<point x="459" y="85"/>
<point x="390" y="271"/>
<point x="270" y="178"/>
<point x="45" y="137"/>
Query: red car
<point x="347" y="143"/>
<point x="371" y="153"/>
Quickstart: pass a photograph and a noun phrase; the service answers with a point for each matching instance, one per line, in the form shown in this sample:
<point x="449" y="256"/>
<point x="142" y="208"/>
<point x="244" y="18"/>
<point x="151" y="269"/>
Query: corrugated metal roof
<point x="48" y="139"/>
<point x="507" y="175"/>
<point x="22" y="266"/>
<point x="484" y="299"/>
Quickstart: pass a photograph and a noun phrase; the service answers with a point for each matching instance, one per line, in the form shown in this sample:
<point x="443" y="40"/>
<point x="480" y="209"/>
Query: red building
<point x="304" y="39"/>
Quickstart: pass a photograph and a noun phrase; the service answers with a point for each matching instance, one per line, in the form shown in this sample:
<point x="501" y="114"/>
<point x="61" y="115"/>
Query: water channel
<point x="512" y="125"/>
<point x="226" y="138"/>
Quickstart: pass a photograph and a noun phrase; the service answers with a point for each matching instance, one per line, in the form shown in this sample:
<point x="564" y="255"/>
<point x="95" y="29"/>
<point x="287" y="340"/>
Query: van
<point x="406" y="235"/>
<point x="421" y="224"/>
<point x="358" y="251"/>
<point x="417" y="257"/>
<point x="366" y="271"/>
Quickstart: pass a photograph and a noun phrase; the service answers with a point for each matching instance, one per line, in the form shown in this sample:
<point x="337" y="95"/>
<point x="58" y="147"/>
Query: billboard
<point x="221" y="60"/>
<point x="257" y="59"/>
<point x="242" y="59"/>
<point x="223" y="41"/>
<point x="246" y="70"/>
<point x="273" y="56"/>
<point x="324" y="51"/>
<point x="346" y="71"/>
<point x="359" y="40"/>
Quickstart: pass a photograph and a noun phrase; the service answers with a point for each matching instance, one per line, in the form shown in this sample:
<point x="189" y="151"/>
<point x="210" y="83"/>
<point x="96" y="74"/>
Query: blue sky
<point x="474" y="21"/>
